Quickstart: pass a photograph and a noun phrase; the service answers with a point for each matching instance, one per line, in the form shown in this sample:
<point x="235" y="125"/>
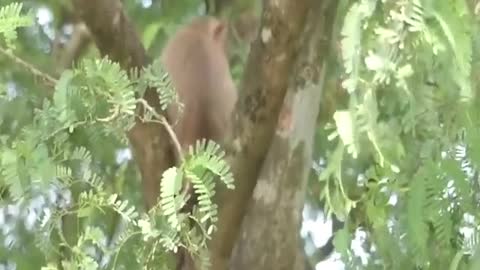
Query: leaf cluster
<point x="67" y="147"/>
<point x="408" y="69"/>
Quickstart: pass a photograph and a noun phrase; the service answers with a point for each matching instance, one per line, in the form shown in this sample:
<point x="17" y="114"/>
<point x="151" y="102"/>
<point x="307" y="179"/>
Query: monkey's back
<point x="198" y="67"/>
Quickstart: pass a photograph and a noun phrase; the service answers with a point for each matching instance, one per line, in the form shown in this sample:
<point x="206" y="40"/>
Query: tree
<point x="362" y="86"/>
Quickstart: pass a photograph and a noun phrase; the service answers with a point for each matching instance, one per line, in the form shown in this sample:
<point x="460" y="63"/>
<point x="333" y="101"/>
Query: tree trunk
<point x="268" y="71"/>
<point x="270" y="230"/>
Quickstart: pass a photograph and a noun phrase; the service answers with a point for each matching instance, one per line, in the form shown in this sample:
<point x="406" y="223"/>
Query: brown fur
<point x="195" y="57"/>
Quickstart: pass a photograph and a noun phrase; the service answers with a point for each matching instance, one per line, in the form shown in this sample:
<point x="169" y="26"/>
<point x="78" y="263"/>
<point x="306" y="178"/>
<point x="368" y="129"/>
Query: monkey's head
<point x="214" y="28"/>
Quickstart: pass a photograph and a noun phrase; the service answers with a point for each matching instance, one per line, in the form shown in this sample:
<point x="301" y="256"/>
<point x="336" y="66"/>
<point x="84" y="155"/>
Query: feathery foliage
<point x="93" y="106"/>
<point x="408" y="69"/>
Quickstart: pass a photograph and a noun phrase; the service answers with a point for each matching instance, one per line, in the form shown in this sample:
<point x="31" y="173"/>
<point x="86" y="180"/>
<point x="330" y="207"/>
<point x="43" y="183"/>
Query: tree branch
<point x="274" y="212"/>
<point x="270" y="64"/>
<point x="74" y="48"/>
<point x="48" y="80"/>
<point x="115" y="36"/>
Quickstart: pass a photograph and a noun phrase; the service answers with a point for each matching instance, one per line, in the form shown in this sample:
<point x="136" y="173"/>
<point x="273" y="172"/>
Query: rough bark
<point x="270" y="65"/>
<point x="66" y="55"/>
<point x="270" y="230"/>
<point x="74" y="49"/>
<point x="116" y="37"/>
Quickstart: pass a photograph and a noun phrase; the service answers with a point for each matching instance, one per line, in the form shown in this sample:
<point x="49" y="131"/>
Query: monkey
<point x="196" y="60"/>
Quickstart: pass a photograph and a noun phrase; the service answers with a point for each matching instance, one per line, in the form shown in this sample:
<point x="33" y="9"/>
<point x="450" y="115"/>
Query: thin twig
<point x="48" y="80"/>
<point x="173" y="136"/>
<point x="188" y="189"/>
<point x="168" y="127"/>
<point x="162" y="120"/>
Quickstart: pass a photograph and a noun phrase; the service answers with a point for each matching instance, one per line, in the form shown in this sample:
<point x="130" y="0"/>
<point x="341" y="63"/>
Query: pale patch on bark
<point x="281" y="58"/>
<point x="264" y="192"/>
<point x="266" y="35"/>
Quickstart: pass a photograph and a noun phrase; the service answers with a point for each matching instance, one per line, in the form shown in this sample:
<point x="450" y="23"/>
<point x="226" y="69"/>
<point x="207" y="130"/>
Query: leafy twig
<point x="168" y="127"/>
<point x="162" y="120"/>
<point x="48" y="80"/>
